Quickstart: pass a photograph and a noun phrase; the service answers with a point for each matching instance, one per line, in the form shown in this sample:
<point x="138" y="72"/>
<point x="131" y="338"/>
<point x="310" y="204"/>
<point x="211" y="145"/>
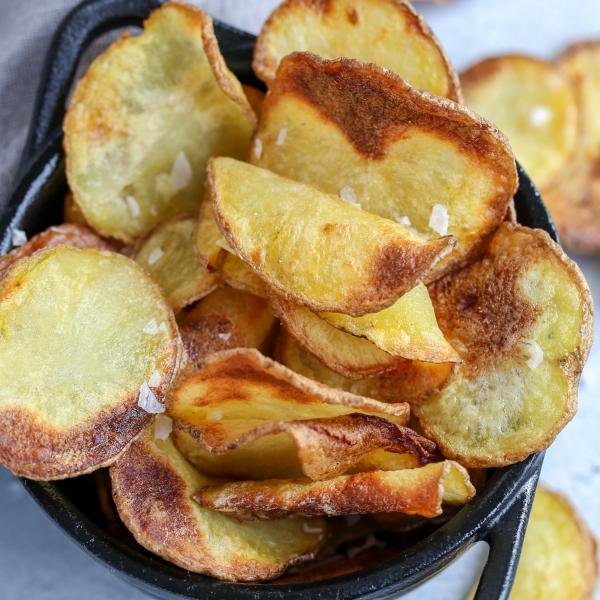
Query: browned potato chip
<point x="169" y="256"/>
<point x="145" y="119"/>
<point x="71" y="211"/>
<point x="358" y="131"/>
<point x="418" y="491"/>
<point x="409" y="381"/>
<point x="89" y="348"/>
<point x="67" y="234"/>
<point x="236" y="273"/>
<point x="385" y="32"/>
<point x="324" y="447"/>
<point x="296" y="239"/>
<point x="521" y="319"/>
<point x="226" y="318"/>
<point x="255" y="97"/>
<point x="208" y="238"/>
<point x="533" y="103"/>
<point x="152" y="487"/>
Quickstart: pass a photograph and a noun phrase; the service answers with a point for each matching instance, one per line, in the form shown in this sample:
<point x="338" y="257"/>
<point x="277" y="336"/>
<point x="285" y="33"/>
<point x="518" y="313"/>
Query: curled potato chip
<point x="152" y="487"/>
<point x="255" y="97"/>
<point x="533" y="103"/>
<point x="77" y="355"/>
<point x="358" y="131"/>
<point x="236" y="273"/>
<point x="407" y="328"/>
<point x="419" y="491"/>
<point x="67" y="234"/>
<point x="385" y="32"/>
<point x="168" y="255"/>
<point x="351" y="356"/>
<point x="521" y="319"/>
<point x="409" y="381"/>
<point x="226" y="318"/>
<point x="296" y="239"/>
<point x="145" y="119"/>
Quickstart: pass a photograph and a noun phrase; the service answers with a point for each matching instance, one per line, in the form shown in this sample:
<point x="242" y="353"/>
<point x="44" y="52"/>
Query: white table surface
<point x="38" y="562"/>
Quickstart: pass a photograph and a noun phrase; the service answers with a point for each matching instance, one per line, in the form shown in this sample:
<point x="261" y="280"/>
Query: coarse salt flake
<point x="163" y="426"/>
<point x="540" y="115"/>
<point x="214" y="415"/>
<point x="438" y="221"/>
<point x="155" y="256"/>
<point x="281" y="136"/>
<point x="222" y="243"/>
<point x="148" y="401"/>
<point x="257" y="148"/>
<point x="181" y="172"/>
<point x="155" y="379"/>
<point x="224" y="336"/>
<point x="347" y="194"/>
<point x="403" y="220"/>
<point x="19" y="237"/>
<point x="133" y="206"/>
<point x="535" y="355"/>
<point x="152" y="327"/>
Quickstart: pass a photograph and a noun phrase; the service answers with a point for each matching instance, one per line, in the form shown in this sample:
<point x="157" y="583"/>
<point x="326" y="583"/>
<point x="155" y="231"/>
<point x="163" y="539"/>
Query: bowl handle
<point x="505" y="539"/>
<point x="84" y="23"/>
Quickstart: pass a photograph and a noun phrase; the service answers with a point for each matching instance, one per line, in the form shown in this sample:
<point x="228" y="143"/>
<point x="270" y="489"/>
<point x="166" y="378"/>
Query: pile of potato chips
<point x="271" y="315"/>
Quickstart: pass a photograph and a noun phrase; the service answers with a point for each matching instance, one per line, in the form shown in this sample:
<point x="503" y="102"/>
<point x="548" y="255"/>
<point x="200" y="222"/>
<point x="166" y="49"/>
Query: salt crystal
<point x="310" y="529"/>
<point x="257" y="149"/>
<point x="19" y="237"/>
<point x="155" y="379"/>
<point x="155" y="256"/>
<point x="163" y="426"/>
<point x="222" y="243"/>
<point x="438" y="221"/>
<point x="133" y="206"/>
<point x="281" y="136"/>
<point x="181" y="172"/>
<point x="148" y="401"/>
<point x="347" y="194"/>
<point x="404" y="220"/>
<point x="540" y="115"/>
<point x="224" y="336"/>
<point x="151" y="327"/>
<point x="163" y="328"/>
<point x="536" y="355"/>
<point x="214" y="415"/>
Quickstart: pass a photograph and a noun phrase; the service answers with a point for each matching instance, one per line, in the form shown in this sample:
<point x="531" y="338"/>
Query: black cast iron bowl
<point x="499" y="513"/>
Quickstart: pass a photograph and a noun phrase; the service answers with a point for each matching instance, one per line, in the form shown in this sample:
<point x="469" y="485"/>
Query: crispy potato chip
<point x="168" y="255"/>
<point x="78" y="359"/>
<point x="358" y="131"/>
<point x="255" y="97"/>
<point x="351" y="356"/>
<point x="67" y="234"/>
<point x="325" y="447"/>
<point x="296" y="239"/>
<point x="226" y="318"/>
<point x="533" y="103"/>
<point x="408" y="328"/>
<point x="574" y="196"/>
<point x="145" y="119"/>
<point x="208" y="237"/>
<point x="152" y="487"/>
<point x="409" y="381"/>
<point x="385" y="32"/>
<point x="71" y="211"/>
<point x="236" y="273"/>
<point x="418" y="491"/>
<point x="240" y="390"/>
<point x="521" y="319"/>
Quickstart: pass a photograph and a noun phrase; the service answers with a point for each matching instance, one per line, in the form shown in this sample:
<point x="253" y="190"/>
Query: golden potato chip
<point x="67" y="234"/>
<point x="145" y="119"/>
<point x="236" y="273"/>
<point x="360" y="132"/>
<point x="169" y="256"/>
<point x="226" y="318"/>
<point x="296" y="239"/>
<point x="255" y="97"/>
<point x="521" y="319"/>
<point x="408" y="328"/>
<point x="89" y="348"/>
<point x="152" y="487"/>
<point x="418" y="491"/>
<point x="574" y="196"/>
<point x="71" y="211"/>
<point x="388" y="33"/>
<point x="208" y="238"/>
<point x="409" y="381"/>
<point x="533" y="103"/>
<point x="351" y="356"/>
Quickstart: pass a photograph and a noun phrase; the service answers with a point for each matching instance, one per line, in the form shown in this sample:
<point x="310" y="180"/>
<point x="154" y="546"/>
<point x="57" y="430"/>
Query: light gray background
<point x="36" y="560"/>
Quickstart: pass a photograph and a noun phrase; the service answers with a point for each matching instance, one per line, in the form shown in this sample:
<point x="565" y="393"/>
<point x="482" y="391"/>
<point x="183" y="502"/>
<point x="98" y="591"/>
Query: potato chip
<point x="236" y="273"/>
<point x="152" y="487"/>
<point x="145" y="119"/>
<point x="351" y="356"/>
<point x="385" y="32"/>
<point x="358" y="131"/>
<point x="521" y="319"/>
<point x="533" y="103"/>
<point x="409" y="381"/>
<point x="208" y="238"/>
<point x="407" y="329"/>
<point x="67" y="234"/>
<point x="300" y="246"/>
<point x="89" y="346"/>
<point x="418" y="491"/>
<point x="71" y="211"/>
<point x="169" y="256"/>
<point x="226" y="318"/>
<point x="255" y="97"/>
